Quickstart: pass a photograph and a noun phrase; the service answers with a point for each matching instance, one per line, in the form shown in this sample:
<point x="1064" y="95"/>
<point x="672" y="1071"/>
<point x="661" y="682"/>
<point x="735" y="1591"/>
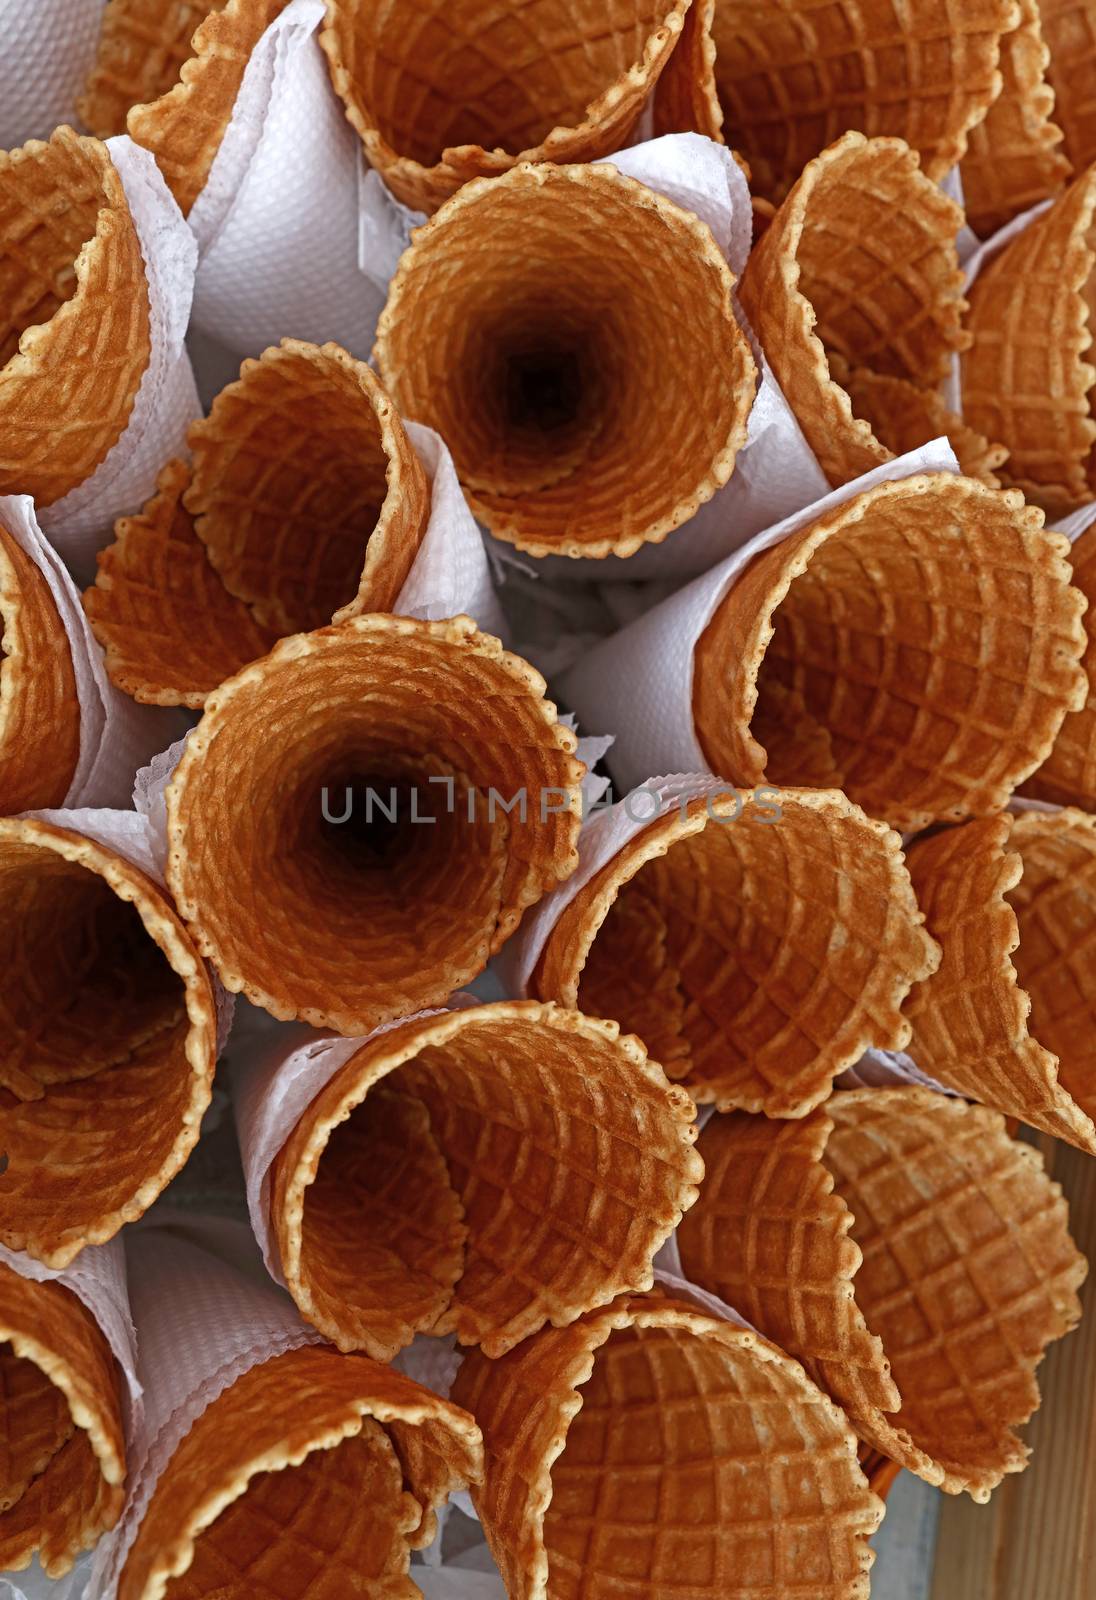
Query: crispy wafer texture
<point x="757" y="946"/>
<point x="571" y="335"/>
<point x="1027" y="379"/>
<point x="1069" y="28"/>
<point x="441" y="94"/>
<point x="1013" y="158"/>
<point x="974" y="1024"/>
<point x="1068" y="775"/>
<point x="74" y="314"/>
<point x="859" y="263"/>
<point x="71" y="1415"/>
<point x="169" y="76"/>
<point x="349" y="926"/>
<point x="39" y="708"/>
<point x="653" y="1445"/>
<point x="544" y="1163"/>
<point x="917" y="647"/>
<point x="794" y="75"/>
<point x="915" y="1258"/>
<point x="314" y="1472"/>
<point x="685" y="99"/>
<point x="35" y="1422"/>
<point x="903" y="417"/>
<point x="169" y="628"/>
<point x="307" y="493"/>
<point x="109" y="1041"/>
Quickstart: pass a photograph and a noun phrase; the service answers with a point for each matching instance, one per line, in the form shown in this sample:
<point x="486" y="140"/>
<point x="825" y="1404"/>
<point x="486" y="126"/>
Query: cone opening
<point x="485" y="1185"/>
<point x="429" y="78"/>
<point x="589" y="296"/>
<point x="759" y="954"/>
<point x="51" y="196"/>
<point x="303" y="481"/>
<point x="346" y="908"/>
<point x="35" y="1422"/>
<point x="921" y="657"/>
<point x="751" y="1471"/>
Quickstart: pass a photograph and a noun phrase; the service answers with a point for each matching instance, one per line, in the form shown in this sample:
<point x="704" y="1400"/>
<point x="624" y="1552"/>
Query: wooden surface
<point x="1036" y="1540"/>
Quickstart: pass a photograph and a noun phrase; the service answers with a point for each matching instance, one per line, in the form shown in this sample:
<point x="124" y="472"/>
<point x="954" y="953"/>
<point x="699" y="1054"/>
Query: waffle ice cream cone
<point x="314" y="1473"/>
<point x="348" y="924"/>
<point x="1069" y="27"/>
<point x="1010" y="1016"/>
<point x="74" y="314"/>
<point x="444" y="94"/>
<point x="1014" y="157"/>
<point x="109" y="1041"/>
<point x="169" y="76"/>
<point x="830" y="284"/>
<point x="685" y="99"/>
<point x="39" y="707"/>
<point x="917" y="647"/>
<point x="1027" y="376"/>
<point x="525" y="324"/>
<point x="915" y="1258"/>
<point x="903" y="417"/>
<point x="62" y="1450"/>
<point x="757" y="947"/>
<point x="480" y="1172"/>
<point x="170" y="630"/>
<point x="794" y="75"/>
<point x="1068" y="775"/>
<point x="650" y="1447"/>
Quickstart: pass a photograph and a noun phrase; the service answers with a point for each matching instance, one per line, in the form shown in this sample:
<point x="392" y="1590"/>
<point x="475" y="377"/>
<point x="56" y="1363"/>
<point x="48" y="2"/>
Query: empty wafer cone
<point x="1010" y="1016"/>
<point x="903" y="417"/>
<point x="1013" y="158"/>
<point x="169" y="76"/>
<point x="362" y="816"/>
<point x="1069" y="27"/>
<point x="39" y="708"/>
<point x="314" y="1473"/>
<point x="571" y="335"/>
<point x="62" y="1451"/>
<point x="831" y="281"/>
<point x="1068" y="775"/>
<point x="482" y="1172"/>
<point x="441" y="94"/>
<point x="656" y="1446"/>
<point x="74" y="314"/>
<point x="912" y="1255"/>
<point x="917" y="647"/>
<point x="758" y="947"/>
<point x="793" y="75"/>
<point x="109" y="1040"/>
<point x="1027" y="377"/>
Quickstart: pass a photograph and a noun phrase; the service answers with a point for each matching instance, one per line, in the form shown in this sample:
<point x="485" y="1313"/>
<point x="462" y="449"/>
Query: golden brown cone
<point x="314" y="1473"/>
<point x="74" y="314"/>
<point x="170" y="630"/>
<point x="519" y="1165"/>
<point x="306" y="490"/>
<point x="169" y="76"/>
<point x="794" y="75"/>
<point x="912" y="1255"/>
<point x="585" y="365"/>
<point x="831" y="278"/>
<point x="39" y="708"/>
<point x="903" y="417"/>
<point x="440" y="97"/>
<point x="349" y="929"/>
<point x="1068" y="775"/>
<point x="1069" y="27"/>
<point x="757" y="947"/>
<point x="917" y="647"/>
<point x="1010" y="1017"/>
<point x="109" y="1040"/>
<point x="1028" y="375"/>
<point x="653" y="1443"/>
<point x="77" y="1491"/>
<point x="685" y="99"/>
<point x="1013" y="157"/>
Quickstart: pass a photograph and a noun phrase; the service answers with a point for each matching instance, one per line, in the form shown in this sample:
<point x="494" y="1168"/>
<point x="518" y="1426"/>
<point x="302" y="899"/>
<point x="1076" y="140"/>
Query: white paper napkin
<point x="47" y="49"/>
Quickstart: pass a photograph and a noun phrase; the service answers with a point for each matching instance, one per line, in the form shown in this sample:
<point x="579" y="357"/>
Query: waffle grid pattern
<point x="39" y="708"/>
